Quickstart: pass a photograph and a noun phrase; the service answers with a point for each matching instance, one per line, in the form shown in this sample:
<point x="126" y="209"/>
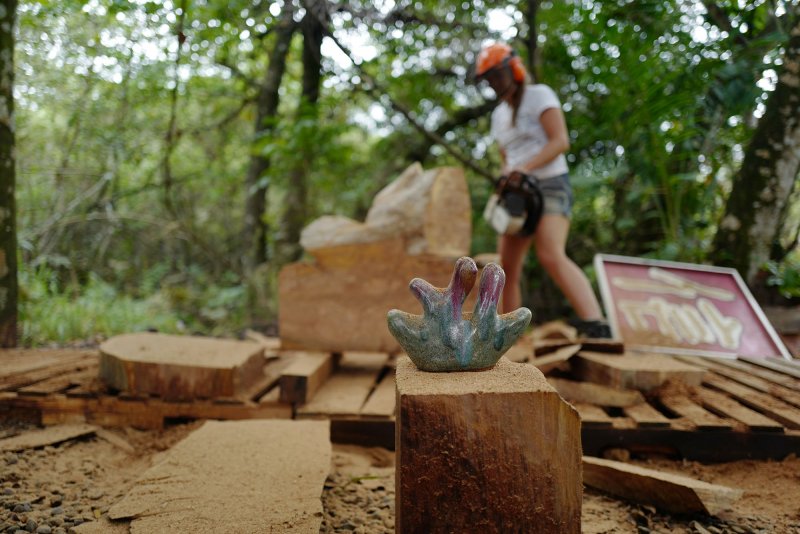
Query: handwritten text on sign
<point x="700" y="321"/>
<point x="696" y="309"/>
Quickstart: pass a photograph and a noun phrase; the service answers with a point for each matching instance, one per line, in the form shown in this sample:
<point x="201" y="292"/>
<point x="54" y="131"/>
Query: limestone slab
<point x="339" y="302"/>
<point x="235" y="477"/>
<point x="417" y="226"/>
<point x="46" y="436"/>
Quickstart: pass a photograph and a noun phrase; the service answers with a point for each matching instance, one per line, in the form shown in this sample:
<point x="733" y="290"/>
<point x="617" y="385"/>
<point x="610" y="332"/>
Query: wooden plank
<point x="80" y="360"/>
<point x="391" y="363"/>
<point x="521" y="351"/>
<point x="271" y="398"/>
<point x="695" y="446"/>
<point x="381" y="403"/>
<point x="270" y="376"/>
<point x="20" y="361"/>
<point x="755" y="382"/>
<point x="551" y="361"/>
<point x="645" y="416"/>
<point x="14" y="361"/>
<point x="48" y="436"/>
<point x="642" y="371"/>
<point x="765" y="374"/>
<point x="695" y="414"/>
<point x="60" y="383"/>
<point x="347" y="390"/>
<point x="792" y="363"/>
<point x="89" y="388"/>
<point x="769" y="406"/>
<point x="606" y="346"/>
<point x="592" y="415"/>
<point x="272" y="345"/>
<point x="364" y="431"/>
<point x="548" y="346"/>
<point x="666" y="491"/>
<point x="597" y="394"/>
<point x="721" y="404"/>
<point x="555" y="330"/>
<point x="284" y="464"/>
<point x="775" y="364"/>
<point x="305" y="375"/>
<point x="149" y="413"/>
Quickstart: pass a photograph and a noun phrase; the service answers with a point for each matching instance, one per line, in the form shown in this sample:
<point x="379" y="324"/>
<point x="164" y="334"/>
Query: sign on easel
<point x="684" y="308"/>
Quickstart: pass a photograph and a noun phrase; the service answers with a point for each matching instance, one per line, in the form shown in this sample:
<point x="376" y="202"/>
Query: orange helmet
<point x="499" y="55"/>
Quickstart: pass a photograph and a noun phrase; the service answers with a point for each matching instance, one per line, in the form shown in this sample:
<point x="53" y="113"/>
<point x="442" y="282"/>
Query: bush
<point x="53" y="313"/>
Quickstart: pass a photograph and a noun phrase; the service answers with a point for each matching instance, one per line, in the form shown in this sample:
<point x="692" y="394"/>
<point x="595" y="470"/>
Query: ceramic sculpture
<point x="445" y="339"/>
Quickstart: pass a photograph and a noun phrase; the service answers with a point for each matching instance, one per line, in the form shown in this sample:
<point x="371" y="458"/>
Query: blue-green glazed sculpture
<point x="445" y="339"/>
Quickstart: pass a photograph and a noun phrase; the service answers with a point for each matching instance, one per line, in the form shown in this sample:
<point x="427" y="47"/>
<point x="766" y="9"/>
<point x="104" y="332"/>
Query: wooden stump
<point x="488" y="451"/>
<point x="180" y="367"/>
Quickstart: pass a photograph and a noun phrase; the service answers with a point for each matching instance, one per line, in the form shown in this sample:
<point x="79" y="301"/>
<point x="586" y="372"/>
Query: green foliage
<point x="658" y="101"/>
<point x="51" y="312"/>
<point x="785" y="277"/>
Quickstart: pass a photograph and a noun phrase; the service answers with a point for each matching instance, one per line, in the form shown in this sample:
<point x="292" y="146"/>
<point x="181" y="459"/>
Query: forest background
<point x="162" y="158"/>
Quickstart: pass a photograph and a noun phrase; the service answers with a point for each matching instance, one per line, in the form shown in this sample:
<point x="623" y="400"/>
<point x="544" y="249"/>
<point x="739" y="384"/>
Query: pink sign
<point x="682" y="307"/>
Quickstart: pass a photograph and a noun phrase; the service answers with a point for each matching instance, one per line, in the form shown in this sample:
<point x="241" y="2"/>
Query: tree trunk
<point x="297" y="188"/>
<point x="531" y="42"/>
<point x="171" y="137"/>
<point x="763" y="185"/>
<point x="255" y="227"/>
<point x="8" y="232"/>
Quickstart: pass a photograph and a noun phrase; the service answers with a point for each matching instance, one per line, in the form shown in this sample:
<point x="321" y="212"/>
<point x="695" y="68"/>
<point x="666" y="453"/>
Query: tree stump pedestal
<point x="487" y="451"/>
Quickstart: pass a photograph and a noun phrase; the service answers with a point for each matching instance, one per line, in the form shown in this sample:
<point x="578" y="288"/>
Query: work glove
<point x="512" y="180"/>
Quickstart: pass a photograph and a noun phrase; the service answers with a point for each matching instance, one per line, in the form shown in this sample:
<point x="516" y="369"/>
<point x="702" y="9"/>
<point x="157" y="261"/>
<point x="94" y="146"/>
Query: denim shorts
<point x="557" y="193"/>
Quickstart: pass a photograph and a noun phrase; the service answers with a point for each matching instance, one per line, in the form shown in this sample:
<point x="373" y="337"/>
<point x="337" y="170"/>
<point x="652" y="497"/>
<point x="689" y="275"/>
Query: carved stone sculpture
<point x="336" y="298"/>
<point x="444" y="338"/>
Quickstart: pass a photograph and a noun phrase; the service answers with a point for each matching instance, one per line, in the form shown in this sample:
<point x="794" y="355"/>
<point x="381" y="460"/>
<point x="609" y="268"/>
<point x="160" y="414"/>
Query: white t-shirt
<point x="523" y="141"/>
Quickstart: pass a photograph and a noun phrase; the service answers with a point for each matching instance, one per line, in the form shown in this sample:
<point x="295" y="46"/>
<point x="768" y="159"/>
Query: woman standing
<point x="529" y="127"/>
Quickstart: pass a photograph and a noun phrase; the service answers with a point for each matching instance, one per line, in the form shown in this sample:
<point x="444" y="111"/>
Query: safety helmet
<point x="499" y="55"/>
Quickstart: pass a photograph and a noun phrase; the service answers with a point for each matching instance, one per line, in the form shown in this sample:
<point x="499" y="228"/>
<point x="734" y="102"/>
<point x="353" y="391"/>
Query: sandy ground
<point x="54" y="489"/>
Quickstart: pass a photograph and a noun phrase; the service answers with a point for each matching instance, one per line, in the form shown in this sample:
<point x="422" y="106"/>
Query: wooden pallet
<point x="743" y="409"/>
<point x="750" y="413"/>
<point x="61" y="386"/>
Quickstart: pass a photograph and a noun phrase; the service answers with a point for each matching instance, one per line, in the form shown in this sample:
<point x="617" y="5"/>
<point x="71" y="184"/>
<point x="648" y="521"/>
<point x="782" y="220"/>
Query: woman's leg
<point x="551" y="240"/>
<point x="512" y="250"/>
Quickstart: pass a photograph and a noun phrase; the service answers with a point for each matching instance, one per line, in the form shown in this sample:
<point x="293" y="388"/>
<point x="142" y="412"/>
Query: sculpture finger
<point x="510" y="326"/>
<point x="493" y="279"/>
<point x="407" y="329"/>
<point x="462" y="282"/>
<point x="426" y="294"/>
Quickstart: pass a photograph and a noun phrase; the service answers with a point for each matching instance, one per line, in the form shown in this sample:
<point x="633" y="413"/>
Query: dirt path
<point x="53" y="489"/>
<point x="359" y="497"/>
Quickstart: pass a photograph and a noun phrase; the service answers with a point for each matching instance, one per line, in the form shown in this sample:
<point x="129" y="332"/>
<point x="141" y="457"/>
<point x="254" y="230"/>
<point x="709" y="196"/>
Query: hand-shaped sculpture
<point x="444" y="339"/>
